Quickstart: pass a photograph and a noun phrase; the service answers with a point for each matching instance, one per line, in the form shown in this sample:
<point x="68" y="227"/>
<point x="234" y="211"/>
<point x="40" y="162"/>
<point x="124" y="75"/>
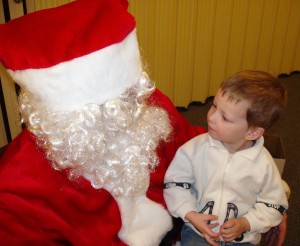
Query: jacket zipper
<point x="221" y="207"/>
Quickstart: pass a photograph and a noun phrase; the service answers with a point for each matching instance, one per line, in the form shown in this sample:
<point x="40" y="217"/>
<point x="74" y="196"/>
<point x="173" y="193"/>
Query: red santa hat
<point x="78" y="53"/>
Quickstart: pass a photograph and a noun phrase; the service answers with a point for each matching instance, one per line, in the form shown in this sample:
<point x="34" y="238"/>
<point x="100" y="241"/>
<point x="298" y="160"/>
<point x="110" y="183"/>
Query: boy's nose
<point x="211" y="117"/>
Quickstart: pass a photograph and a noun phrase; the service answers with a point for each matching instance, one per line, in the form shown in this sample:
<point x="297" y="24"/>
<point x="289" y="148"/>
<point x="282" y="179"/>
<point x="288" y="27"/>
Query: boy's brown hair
<point x="268" y="98"/>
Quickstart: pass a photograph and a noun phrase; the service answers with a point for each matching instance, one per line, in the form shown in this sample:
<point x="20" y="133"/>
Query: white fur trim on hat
<point x="93" y="78"/>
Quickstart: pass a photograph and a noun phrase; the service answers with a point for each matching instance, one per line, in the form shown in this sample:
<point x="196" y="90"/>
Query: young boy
<point x="224" y="184"/>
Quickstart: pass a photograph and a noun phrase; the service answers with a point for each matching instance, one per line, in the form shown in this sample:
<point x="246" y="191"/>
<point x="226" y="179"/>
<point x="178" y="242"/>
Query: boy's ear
<point x="255" y="133"/>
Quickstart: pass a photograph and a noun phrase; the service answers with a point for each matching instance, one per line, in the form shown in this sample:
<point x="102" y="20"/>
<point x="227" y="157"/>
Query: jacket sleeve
<point x="178" y="180"/>
<point x="271" y="202"/>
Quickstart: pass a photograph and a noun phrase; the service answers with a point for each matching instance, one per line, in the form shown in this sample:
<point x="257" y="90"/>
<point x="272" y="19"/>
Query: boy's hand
<point x="234" y="228"/>
<point x="200" y="222"/>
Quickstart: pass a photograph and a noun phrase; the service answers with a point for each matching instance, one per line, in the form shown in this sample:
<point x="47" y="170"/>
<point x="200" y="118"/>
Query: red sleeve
<point x="40" y="206"/>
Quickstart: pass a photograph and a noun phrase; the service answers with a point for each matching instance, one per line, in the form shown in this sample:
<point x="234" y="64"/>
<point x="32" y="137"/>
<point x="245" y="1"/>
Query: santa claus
<point x="88" y="168"/>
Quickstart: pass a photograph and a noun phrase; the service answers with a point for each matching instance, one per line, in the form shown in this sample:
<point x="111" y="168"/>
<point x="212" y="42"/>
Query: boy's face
<point x="227" y="121"/>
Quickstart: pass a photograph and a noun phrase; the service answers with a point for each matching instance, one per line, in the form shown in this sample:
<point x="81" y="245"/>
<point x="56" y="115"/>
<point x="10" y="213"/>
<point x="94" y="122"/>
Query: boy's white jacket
<point x="249" y="179"/>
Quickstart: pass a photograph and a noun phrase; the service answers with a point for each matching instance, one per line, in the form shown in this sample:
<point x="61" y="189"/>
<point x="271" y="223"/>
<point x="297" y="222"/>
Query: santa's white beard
<point x="112" y="145"/>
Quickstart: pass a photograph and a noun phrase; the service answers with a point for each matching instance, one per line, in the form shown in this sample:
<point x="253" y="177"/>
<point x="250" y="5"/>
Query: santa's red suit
<point x="41" y="206"/>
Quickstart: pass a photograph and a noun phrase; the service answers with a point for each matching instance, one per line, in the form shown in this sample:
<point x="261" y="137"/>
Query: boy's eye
<point x="224" y="118"/>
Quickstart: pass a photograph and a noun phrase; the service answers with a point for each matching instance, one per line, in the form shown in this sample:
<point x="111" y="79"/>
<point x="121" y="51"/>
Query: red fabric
<point x="63" y="33"/>
<point x="41" y="206"/>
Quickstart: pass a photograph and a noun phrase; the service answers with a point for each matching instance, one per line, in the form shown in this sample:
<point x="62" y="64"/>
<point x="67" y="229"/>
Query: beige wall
<point x="8" y="85"/>
<point x="190" y="46"/>
<point x="3" y="139"/>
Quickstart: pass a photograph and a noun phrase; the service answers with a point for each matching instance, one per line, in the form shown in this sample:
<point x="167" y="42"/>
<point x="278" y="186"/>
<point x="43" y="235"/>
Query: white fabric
<point x="248" y="179"/>
<point x="144" y="222"/>
<point x="93" y="78"/>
